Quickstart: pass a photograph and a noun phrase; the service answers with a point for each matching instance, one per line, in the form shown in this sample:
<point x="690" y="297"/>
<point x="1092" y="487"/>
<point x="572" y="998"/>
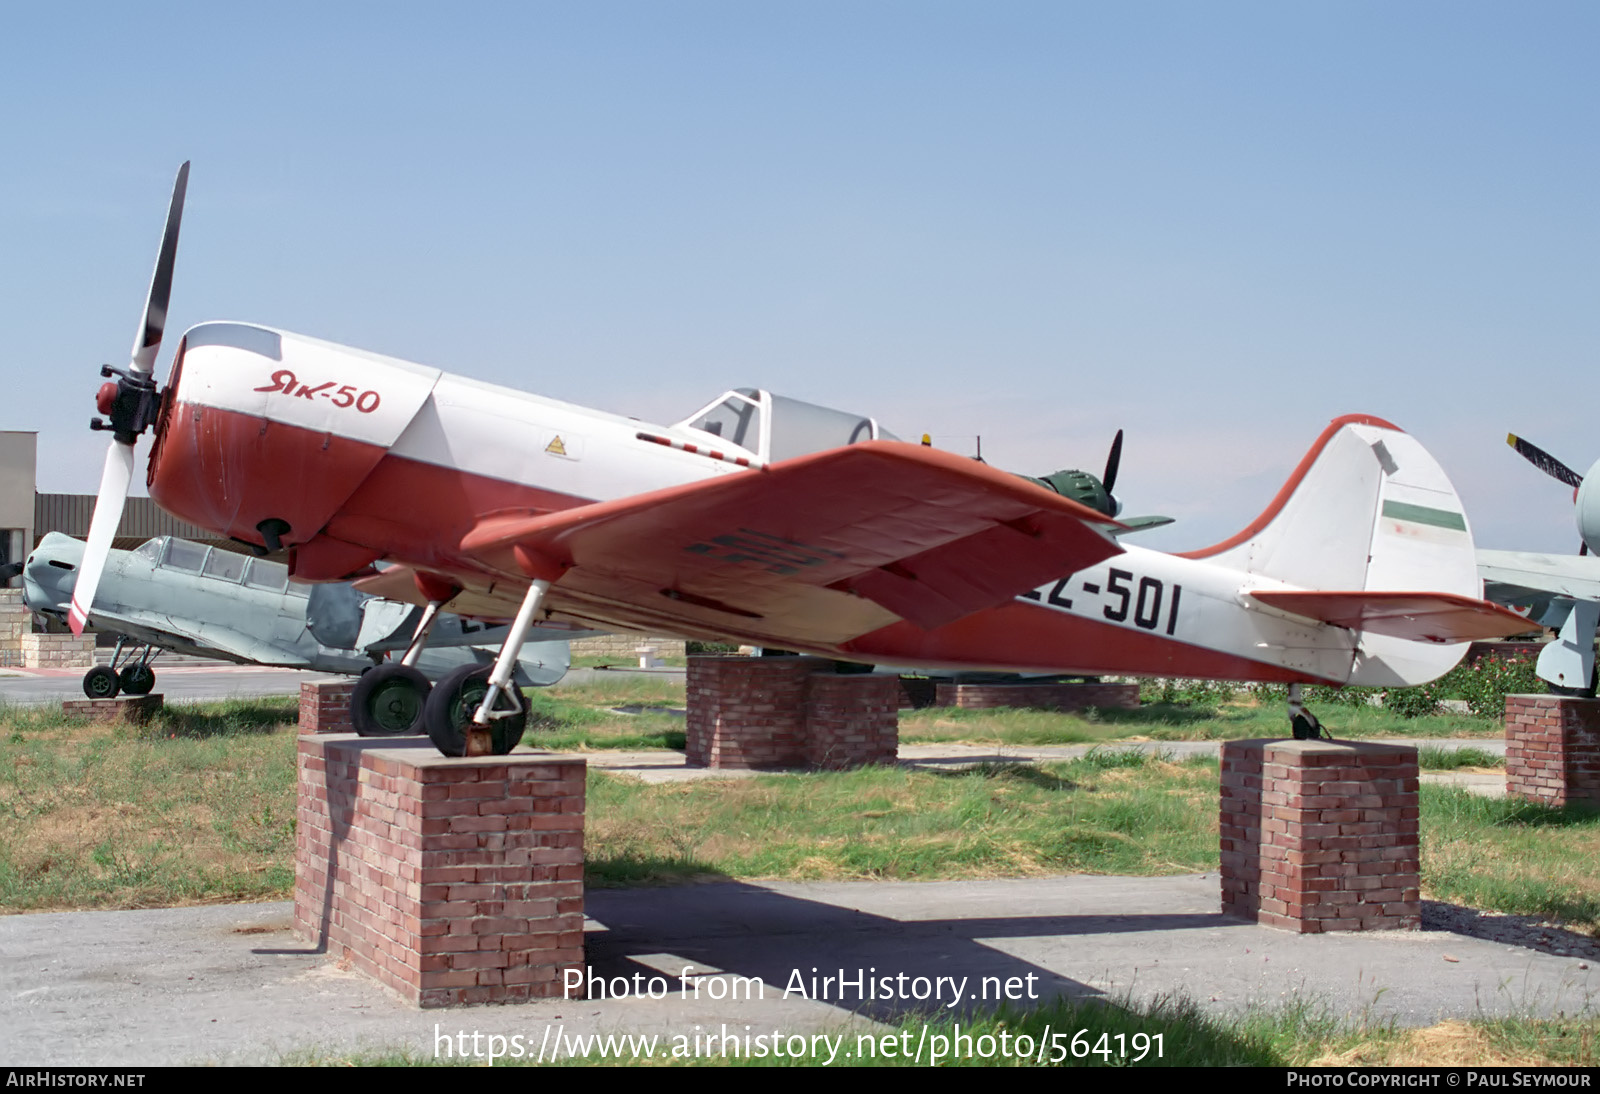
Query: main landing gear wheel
<point x="101" y="682"/>
<point x="137" y="679"/>
<point x="453" y="702"/>
<point x="388" y="701"/>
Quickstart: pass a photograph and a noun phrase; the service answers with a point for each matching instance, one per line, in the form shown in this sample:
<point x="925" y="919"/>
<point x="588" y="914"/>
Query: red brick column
<point x="780" y="712"/>
<point x="1318" y="836"/>
<point x="746" y="711"/>
<point x="133" y="709"/>
<point x="1056" y="696"/>
<point x="448" y="880"/>
<point x="851" y="719"/>
<point x="325" y="706"/>
<point x="1553" y="748"/>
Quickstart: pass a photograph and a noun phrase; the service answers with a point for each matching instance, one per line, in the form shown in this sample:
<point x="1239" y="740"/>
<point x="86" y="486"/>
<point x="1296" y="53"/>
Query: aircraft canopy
<point x="776" y="427"/>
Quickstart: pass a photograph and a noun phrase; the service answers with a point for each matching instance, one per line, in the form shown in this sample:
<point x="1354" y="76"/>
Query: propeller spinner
<point x="130" y="402"/>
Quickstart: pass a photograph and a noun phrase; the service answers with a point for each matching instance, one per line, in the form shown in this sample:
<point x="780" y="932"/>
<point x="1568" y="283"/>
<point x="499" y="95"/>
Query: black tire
<point x="101" y="682"/>
<point x="388" y="701"/>
<point x="452" y="704"/>
<point x="137" y="679"/>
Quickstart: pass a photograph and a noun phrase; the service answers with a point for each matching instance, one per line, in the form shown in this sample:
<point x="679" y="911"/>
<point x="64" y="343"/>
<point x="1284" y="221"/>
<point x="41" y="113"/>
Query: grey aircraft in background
<point x="173" y="594"/>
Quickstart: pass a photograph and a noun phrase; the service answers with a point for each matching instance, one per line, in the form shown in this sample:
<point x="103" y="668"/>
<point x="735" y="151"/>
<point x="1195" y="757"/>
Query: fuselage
<point x="350" y="457"/>
<point x="189" y="598"/>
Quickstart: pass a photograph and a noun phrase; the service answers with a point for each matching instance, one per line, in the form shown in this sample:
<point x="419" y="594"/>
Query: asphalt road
<point x="183" y="683"/>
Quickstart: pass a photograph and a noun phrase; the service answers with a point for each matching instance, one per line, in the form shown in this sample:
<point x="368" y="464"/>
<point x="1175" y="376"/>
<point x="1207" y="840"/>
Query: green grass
<point x="1241" y="719"/>
<point x="1512" y="856"/>
<point x="1088" y="1033"/>
<point x="1431" y="758"/>
<point x="196" y="807"/>
<point x="1110" y="813"/>
<point x="625" y="716"/>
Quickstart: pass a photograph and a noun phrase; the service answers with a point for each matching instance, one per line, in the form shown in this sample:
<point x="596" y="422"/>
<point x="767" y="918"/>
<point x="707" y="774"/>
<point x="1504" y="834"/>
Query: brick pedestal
<point x="58" y="651"/>
<point x="134" y="709"/>
<point x="1318" y="836"/>
<point x="1051" y="696"/>
<point x="1553" y="748"/>
<point x="779" y="712"/>
<point x="325" y="707"/>
<point x="15" y="621"/>
<point x="851" y="720"/>
<point x="448" y="880"/>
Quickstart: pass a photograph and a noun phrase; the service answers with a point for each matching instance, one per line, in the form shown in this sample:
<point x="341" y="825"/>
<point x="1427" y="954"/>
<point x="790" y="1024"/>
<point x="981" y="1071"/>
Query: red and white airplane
<point x="767" y="520"/>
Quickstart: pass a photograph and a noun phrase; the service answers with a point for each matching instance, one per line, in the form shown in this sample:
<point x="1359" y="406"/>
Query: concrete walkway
<point x="233" y="984"/>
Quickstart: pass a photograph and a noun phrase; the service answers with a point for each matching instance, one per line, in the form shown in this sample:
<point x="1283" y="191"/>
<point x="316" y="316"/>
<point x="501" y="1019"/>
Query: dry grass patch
<point x="1511" y="1043"/>
<point x="1131" y="817"/>
<point x="196" y="808"/>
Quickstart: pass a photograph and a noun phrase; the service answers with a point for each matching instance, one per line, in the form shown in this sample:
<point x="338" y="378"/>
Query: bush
<point x="1486" y="682"/>
<point x="1205" y="694"/>
<point x="1412" y="702"/>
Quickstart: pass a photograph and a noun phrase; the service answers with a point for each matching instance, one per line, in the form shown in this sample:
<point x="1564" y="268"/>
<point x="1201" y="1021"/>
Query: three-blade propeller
<point x="130" y="402"/>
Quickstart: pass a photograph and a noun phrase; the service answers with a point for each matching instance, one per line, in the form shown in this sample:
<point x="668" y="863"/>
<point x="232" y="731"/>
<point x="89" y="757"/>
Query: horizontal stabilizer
<point x="1575" y="576"/>
<point x="1430" y="617"/>
<point x="1140" y="524"/>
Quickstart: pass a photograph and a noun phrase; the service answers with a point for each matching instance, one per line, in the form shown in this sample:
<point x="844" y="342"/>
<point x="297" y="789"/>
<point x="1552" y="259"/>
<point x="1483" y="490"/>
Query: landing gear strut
<point x="470" y="714"/>
<point x="131" y="675"/>
<point x="388" y="699"/>
<point x="1302" y="723"/>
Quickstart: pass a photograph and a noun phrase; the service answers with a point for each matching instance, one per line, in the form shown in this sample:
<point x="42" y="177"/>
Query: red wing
<point x="1434" y="617"/>
<point x="815" y="550"/>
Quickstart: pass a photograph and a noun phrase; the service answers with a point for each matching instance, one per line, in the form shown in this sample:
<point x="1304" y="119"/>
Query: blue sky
<point x="1214" y="225"/>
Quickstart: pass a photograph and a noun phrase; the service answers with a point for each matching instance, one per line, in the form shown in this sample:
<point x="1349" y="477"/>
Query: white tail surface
<point x="1368" y="509"/>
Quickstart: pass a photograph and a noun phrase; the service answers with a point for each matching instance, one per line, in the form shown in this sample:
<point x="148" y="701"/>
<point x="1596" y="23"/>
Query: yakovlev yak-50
<point x="766" y="520"/>
<point x="171" y="594"/>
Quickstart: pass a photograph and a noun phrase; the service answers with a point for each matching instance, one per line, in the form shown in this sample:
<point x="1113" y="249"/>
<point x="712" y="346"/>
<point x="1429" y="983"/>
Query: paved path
<point x="189" y="683"/>
<point x="232" y="983"/>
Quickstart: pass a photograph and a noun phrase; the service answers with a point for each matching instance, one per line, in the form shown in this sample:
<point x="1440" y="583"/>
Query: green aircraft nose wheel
<point x="101" y="682"/>
<point x="451" y="707"/>
<point x="388" y="701"/>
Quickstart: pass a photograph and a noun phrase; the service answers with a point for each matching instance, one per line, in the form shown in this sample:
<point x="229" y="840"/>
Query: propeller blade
<point x="147" y="342"/>
<point x="1544" y="461"/>
<point x="102" y="530"/>
<point x="1113" y="461"/>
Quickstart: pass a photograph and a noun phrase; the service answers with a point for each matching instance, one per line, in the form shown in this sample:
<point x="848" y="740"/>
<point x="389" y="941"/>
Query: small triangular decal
<point x="556" y="447"/>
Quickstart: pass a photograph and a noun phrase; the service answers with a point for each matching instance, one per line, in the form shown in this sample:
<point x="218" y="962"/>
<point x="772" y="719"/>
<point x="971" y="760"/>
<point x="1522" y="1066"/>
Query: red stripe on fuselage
<point x="1021" y="636"/>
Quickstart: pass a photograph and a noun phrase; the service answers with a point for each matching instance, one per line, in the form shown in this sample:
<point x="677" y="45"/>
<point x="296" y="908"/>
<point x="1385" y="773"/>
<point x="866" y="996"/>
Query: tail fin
<point x="1371" y="525"/>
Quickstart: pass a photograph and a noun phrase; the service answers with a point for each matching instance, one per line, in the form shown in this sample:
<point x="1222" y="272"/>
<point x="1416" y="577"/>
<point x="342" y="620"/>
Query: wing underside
<point x="806" y="552"/>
